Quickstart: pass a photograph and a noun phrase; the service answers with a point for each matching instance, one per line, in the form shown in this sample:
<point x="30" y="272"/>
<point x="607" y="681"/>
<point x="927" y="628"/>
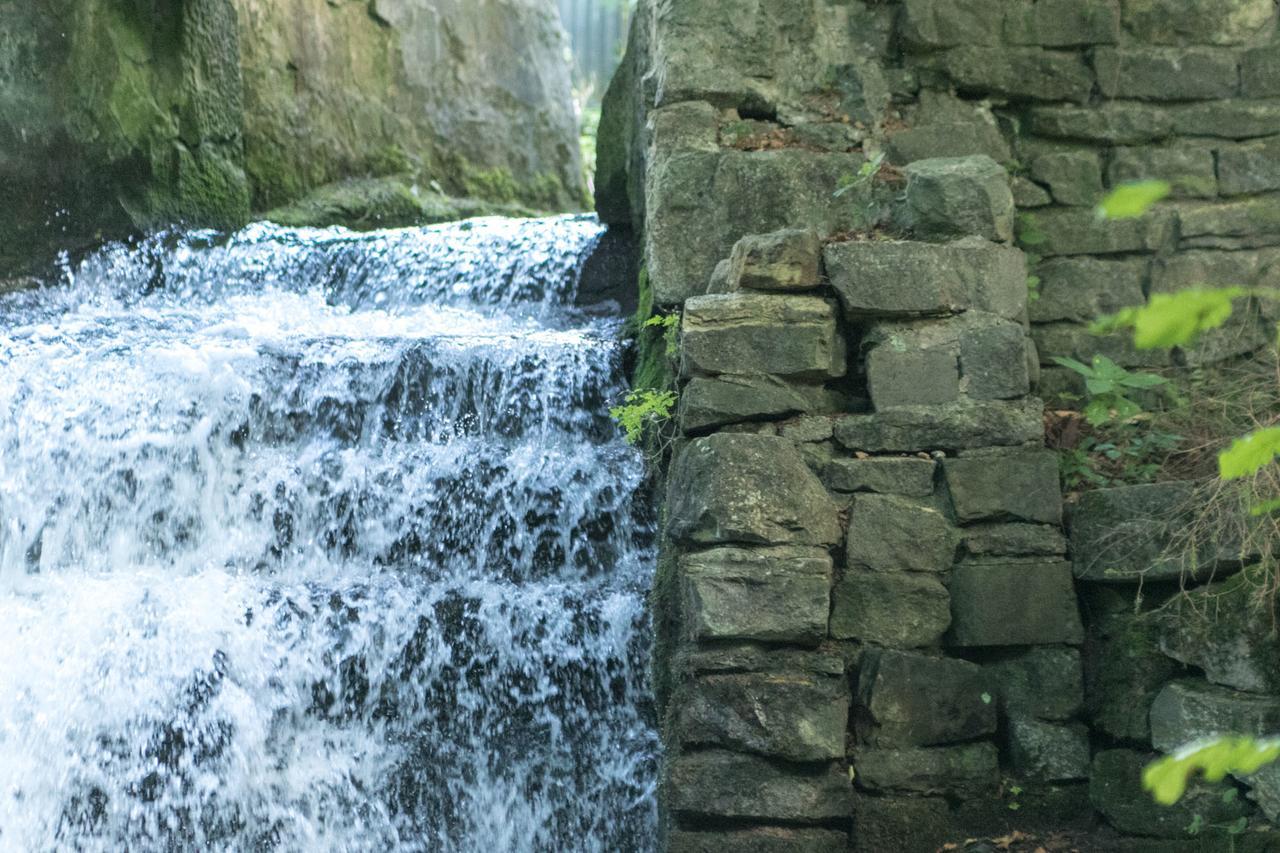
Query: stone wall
<point x="874" y="632"/>
<point x="126" y="115"/>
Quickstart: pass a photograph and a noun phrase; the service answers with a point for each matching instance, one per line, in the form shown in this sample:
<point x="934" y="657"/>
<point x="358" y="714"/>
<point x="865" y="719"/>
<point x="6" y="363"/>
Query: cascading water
<point x="314" y="541"/>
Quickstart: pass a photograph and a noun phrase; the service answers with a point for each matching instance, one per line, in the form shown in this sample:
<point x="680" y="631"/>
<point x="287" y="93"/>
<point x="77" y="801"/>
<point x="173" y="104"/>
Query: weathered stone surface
<point x="727" y="784"/>
<point x="994" y="360"/>
<point x="1197" y="268"/>
<point x="762" y="839"/>
<point x="1013" y="540"/>
<point x="1015" y="72"/>
<point x="787" y="260"/>
<point x="1188" y="710"/>
<point x="1019" y="486"/>
<point x="1260" y="73"/>
<point x="1052" y="752"/>
<point x="886" y="475"/>
<point x="1189" y="170"/>
<point x="1226" y="629"/>
<point x="1077" y="231"/>
<point x="1264" y="789"/>
<point x="949" y="139"/>
<point x="767" y="594"/>
<point x="1081" y="289"/>
<point x="903" y="371"/>
<point x="1045" y="683"/>
<point x="993" y="423"/>
<point x="1197" y="21"/>
<point x="715" y="401"/>
<point x="910" y="699"/>
<point x="1251" y="167"/>
<point x="1124" y="670"/>
<point x="959" y="197"/>
<point x="747" y="488"/>
<point x="1227" y="119"/>
<point x="890" y="533"/>
<point x="1123" y="534"/>
<point x="780" y="335"/>
<point x="1115" y="789"/>
<point x="969" y="770"/>
<point x="1166" y="74"/>
<point x="700" y="201"/>
<point x="890" y="278"/>
<point x="1062" y="23"/>
<point x="890" y="609"/>
<point x="1012" y="603"/>
<point x="1028" y="194"/>
<point x="729" y="658"/>
<point x="794" y="716"/>
<point x="1074" y="177"/>
<point x="1118" y="123"/>
<point x="1237" y="224"/>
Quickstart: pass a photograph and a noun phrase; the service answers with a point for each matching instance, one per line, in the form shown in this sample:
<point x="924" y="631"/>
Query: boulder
<point x="1050" y="752"/>
<point x="778" y="594"/>
<point x="720" y="784"/>
<point x="886" y="278"/>
<point x="950" y="197"/>
<point x="908" y="699"/>
<point x="787" y="260"/>
<point x="795" y="716"/>
<point x="902" y="610"/>
<point x="886" y="475"/>
<point x="749" y="489"/>
<point x="1020" y="486"/>
<point x="792" y="336"/>
<point x="1013" y="603"/>
<point x="889" y="533"/>
<point x="971" y="770"/>
<point x="1188" y="710"/>
<point x="1043" y="683"/>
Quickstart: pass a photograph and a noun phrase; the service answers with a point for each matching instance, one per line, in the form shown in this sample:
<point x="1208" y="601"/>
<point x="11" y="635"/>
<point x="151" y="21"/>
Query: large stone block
<point x="1020" y="486"/>
<point x="1013" y="540"/>
<point x="1227" y="119"/>
<point x="902" y="610"/>
<point x="890" y="533"/>
<point x="780" y="595"/>
<point x="716" y="783"/>
<point x="1260" y="73"/>
<point x="1167" y="74"/>
<point x="951" y="197"/>
<point x="985" y="423"/>
<point x="1198" y="21"/>
<point x="886" y="475"/>
<point x="1124" y="670"/>
<point x="788" y="260"/>
<point x="890" y="278"/>
<point x="1189" y="710"/>
<point x="908" y="372"/>
<point x="1188" y="169"/>
<point x="1228" y="630"/>
<point x="1236" y="224"/>
<point x="1077" y="231"/>
<point x="947" y="23"/>
<point x="910" y="699"/>
<point x="947" y="139"/>
<point x="1045" y="683"/>
<point x="970" y="770"/>
<point x="1074" y="177"/>
<point x="1063" y="23"/>
<point x="1082" y="289"/>
<point x="1013" y="603"/>
<point x="1051" y="752"/>
<point x="1116" y="790"/>
<point x="1251" y="167"/>
<point x="1016" y="72"/>
<point x="994" y="360"/>
<point x="760" y="839"/>
<point x="1116" y="123"/>
<point x="708" y="402"/>
<point x="751" y="489"/>
<point x="794" y="716"/>
<point x="792" y="336"/>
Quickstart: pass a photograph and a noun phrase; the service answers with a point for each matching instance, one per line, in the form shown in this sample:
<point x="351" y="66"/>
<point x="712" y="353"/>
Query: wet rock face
<point x="125" y="116"/>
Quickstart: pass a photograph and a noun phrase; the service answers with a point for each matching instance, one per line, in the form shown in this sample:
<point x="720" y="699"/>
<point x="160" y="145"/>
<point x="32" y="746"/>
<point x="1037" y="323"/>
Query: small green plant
<point x="866" y="174"/>
<point x="1109" y="386"/>
<point x="642" y="411"/>
<point x="670" y="325"/>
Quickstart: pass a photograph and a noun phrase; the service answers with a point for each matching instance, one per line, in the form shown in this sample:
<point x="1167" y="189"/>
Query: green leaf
<point x="1174" y="319"/>
<point x="1072" y="364"/>
<point x="1265" y="508"/>
<point x="1129" y="201"/>
<point x="1250" y="454"/>
<point x="1168" y="777"/>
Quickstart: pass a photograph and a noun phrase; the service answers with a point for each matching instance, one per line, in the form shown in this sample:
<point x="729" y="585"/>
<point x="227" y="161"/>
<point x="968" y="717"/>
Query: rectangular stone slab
<point x="1013" y="603"/>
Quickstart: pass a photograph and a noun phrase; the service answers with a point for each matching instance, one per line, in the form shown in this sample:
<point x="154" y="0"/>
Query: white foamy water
<point x="312" y="540"/>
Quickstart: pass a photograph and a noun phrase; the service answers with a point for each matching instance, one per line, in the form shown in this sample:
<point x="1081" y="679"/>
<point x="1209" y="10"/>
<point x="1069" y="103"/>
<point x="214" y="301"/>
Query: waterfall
<point x="313" y="540"/>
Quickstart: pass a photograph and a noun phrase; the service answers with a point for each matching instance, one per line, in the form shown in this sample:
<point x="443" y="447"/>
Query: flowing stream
<point x="322" y="541"/>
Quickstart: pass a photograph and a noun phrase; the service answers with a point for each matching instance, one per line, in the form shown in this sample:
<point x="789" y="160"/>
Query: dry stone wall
<point x="875" y="630"/>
